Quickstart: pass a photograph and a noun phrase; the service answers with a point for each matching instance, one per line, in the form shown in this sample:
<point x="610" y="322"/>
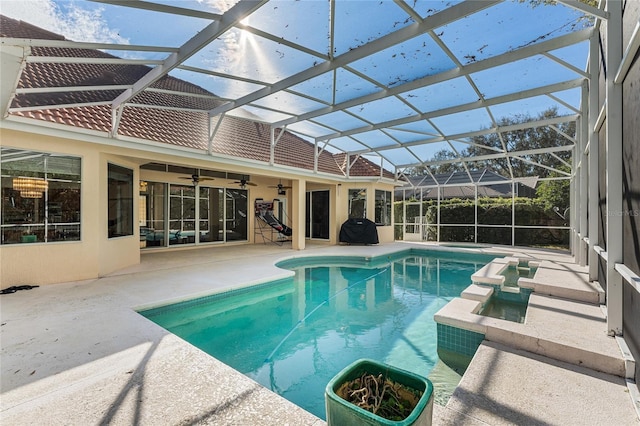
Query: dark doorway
<point x="317" y="218"/>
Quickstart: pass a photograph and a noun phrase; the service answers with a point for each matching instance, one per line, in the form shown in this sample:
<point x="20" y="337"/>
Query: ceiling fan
<point x="280" y="186"/>
<point x="245" y="182"/>
<point x="196" y="179"/>
<point x="282" y="189"/>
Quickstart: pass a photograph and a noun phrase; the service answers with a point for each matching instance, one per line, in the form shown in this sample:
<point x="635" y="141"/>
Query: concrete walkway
<point x="78" y="353"/>
<point x="505" y="386"/>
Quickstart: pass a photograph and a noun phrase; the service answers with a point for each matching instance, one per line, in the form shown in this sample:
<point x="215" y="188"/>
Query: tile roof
<point x="465" y="188"/>
<point x="457" y="177"/>
<point x="238" y="137"/>
<point x="361" y="167"/>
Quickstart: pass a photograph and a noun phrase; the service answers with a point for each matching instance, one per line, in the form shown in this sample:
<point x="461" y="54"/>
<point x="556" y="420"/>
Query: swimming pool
<point x="293" y="335"/>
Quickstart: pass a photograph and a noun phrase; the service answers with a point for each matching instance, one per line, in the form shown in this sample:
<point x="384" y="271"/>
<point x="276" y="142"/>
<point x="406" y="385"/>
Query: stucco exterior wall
<point x="97" y="255"/>
<point x="385" y="233"/>
<point x="120" y="252"/>
<point x="44" y="263"/>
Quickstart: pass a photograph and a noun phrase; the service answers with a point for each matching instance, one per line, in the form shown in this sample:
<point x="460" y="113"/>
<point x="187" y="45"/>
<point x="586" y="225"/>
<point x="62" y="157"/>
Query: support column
<point x="299" y="213"/>
<point x="513" y="213"/>
<point x="438" y="236"/>
<point x="573" y="202"/>
<point x="475" y="212"/>
<point x="614" y="168"/>
<point x="594" y="111"/>
<point x="584" y="176"/>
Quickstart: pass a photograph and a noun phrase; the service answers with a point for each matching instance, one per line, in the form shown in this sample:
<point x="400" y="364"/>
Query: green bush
<point x="492" y="211"/>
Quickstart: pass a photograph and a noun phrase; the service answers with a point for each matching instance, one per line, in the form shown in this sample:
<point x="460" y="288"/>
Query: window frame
<point x="357" y="195"/>
<point x="383" y="207"/>
<point x="117" y="203"/>
<point x="59" y="206"/>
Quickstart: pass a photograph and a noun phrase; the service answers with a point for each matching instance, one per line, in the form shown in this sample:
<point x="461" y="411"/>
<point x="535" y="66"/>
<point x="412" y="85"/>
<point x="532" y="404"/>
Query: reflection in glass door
<point x="152" y="214"/>
<point x="195" y="214"/>
<point x="182" y="214"/>
<point x="317" y="217"/>
<point x="236" y="215"/>
<point x="211" y="212"/>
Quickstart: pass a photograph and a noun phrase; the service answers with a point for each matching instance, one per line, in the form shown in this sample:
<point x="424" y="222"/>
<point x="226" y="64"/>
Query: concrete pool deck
<point x="78" y="353"/>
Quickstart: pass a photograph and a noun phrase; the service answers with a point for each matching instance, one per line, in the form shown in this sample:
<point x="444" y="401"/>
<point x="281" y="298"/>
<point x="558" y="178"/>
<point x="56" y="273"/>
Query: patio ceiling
<point x="391" y="80"/>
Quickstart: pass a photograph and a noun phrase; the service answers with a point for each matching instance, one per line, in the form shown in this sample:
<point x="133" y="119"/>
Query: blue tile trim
<point x="458" y="340"/>
<point x="206" y="299"/>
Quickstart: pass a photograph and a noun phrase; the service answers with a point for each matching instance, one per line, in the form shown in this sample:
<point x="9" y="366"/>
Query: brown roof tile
<point x="20" y="29"/>
<point x="235" y="137"/>
<point x="361" y="167"/>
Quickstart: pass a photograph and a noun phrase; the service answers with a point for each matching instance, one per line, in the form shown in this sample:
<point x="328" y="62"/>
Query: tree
<point x="515" y="140"/>
<point x="441" y="155"/>
<point x="555" y="193"/>
<point x="522" y="140"/>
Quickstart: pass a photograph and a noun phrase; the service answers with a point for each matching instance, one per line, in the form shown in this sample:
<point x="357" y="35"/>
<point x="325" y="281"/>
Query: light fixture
<point x="30" y="187"/>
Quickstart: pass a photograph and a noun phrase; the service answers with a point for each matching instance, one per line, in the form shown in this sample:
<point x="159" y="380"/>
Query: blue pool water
<point x="294" y="335"/>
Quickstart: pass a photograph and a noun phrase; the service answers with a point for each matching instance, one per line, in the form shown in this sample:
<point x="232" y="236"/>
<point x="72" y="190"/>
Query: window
<point x="40" y="197"/>
<point x="357" y="203"/>
<point x="383" y="207"/>
<point x="120" y="195"/>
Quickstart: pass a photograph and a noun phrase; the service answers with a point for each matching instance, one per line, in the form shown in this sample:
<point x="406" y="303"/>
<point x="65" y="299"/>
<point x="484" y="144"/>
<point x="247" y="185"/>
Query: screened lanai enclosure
<point x="483" y="207"/>
<point x="408" y="85"/>
<point x="503" y="122"/>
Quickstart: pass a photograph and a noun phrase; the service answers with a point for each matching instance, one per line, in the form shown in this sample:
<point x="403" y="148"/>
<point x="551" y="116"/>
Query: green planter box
<point x="28" y="238"/>
<point x="342" y="413"/>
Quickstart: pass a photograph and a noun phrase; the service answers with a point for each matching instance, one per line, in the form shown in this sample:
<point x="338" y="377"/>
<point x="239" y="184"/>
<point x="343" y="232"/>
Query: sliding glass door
<point x="183" y="214"/>
<point x="317" y="218"/>
<point x="151" y="217"/>
<point x="211" y="210"/>
<point x="236" y="215"/>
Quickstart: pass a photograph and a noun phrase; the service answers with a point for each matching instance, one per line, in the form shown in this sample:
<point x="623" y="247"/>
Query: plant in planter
<point x="372" y="393"/>
<point x="380" y="395"/>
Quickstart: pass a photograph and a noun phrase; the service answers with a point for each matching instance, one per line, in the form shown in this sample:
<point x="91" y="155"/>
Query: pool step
<point x="491" y="272"/>
<point x="565" y="330"/>
<point x="564" y="280"/>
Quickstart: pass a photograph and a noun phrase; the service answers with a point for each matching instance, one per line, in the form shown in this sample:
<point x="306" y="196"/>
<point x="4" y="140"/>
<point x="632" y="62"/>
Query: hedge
<point x="491" y="211"/>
